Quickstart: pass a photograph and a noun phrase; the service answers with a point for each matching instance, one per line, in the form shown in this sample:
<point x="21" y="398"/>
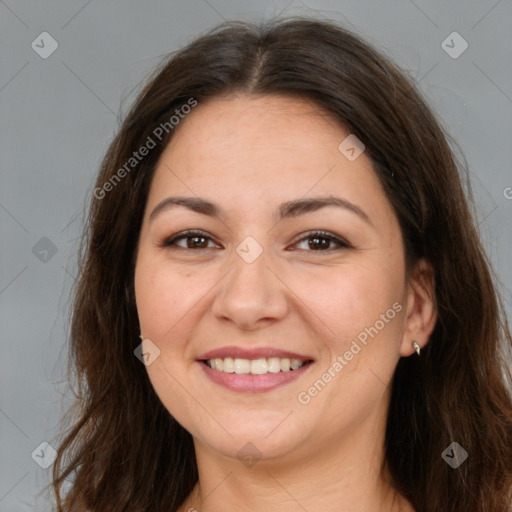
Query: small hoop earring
<point x="141" y="337"/>
<point x="416" y="347"/>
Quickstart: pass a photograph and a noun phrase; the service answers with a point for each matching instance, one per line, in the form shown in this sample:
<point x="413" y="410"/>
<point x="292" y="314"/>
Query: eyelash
<point x="171" y="242"/>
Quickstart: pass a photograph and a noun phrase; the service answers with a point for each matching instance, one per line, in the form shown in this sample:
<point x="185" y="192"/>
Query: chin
<point x="249" y="448"/>
<point x="253" y="436"/>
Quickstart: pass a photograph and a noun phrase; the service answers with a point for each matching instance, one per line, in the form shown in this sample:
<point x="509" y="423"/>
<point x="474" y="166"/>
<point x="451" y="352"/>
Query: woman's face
<point x="256" y="288"/>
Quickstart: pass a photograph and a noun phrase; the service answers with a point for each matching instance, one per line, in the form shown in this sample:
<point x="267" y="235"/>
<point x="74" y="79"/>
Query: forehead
<point x="230" y="127"/>
<point x="262" y="149"/>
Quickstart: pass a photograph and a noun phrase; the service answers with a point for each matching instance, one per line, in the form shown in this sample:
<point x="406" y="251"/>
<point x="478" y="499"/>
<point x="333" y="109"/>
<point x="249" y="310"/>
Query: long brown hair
<point x="124" y="452"/>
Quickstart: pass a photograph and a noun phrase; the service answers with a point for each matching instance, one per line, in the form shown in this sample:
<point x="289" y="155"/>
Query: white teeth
<point x="229" y="365"/>
<point x="242" y="366"/>
<point x="255" y="366"/>
<point x="274" y="364"/>
<point x="296" y="364"/>
<point x="259" y="366"/>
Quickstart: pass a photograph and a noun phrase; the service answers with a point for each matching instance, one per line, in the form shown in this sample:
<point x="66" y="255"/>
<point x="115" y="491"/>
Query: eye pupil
<point x="195" y="238"/>
<point x="322" y="241"/>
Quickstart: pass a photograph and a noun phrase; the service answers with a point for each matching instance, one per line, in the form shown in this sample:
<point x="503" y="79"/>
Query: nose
<point x="251" y="296"/>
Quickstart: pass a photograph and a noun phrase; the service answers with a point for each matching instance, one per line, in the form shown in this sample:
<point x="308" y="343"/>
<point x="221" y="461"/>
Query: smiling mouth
<point x="258" y="366"/>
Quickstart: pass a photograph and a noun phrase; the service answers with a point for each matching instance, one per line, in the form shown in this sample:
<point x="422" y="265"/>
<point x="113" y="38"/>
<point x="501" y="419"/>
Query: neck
<point x="346" y="474"/>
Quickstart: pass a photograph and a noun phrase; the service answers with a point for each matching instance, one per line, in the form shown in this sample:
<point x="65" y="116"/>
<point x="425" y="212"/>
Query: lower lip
<point x="249" y="383"/>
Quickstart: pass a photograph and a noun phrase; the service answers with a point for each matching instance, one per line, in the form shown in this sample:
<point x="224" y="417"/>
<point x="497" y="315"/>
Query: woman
<point x="281" y="221"/>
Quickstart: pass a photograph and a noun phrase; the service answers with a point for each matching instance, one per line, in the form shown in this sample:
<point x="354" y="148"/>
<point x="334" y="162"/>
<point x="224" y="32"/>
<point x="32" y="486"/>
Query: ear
<point x="421" y="309"/>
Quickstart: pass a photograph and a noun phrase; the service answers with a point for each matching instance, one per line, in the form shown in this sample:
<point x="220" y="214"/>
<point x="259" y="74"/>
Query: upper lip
<point x="253" y="353"/>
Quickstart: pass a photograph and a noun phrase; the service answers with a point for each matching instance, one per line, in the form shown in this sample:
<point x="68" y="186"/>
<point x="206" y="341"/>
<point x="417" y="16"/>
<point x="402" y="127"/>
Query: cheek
<point x="158" y="304"/>
<point x="160" y="296"/>
<point x="163" y="300"/>
<point x="350" y="298"/>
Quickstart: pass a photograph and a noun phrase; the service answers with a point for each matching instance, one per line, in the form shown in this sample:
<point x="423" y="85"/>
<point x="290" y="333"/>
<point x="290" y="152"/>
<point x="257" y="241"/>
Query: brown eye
<point x="320" y="241"/>
<point x="193" y="240"/>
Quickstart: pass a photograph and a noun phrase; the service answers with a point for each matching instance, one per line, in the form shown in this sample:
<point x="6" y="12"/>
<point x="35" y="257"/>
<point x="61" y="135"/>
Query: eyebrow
<point x="286" y="210"/>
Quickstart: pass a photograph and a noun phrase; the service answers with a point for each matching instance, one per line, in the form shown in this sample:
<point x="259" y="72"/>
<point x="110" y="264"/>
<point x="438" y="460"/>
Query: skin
<point x="249" y="154"/>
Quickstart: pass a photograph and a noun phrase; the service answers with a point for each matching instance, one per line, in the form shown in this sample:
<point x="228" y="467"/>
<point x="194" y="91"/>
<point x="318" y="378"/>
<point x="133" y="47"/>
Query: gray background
<point x="58" y="115"/>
